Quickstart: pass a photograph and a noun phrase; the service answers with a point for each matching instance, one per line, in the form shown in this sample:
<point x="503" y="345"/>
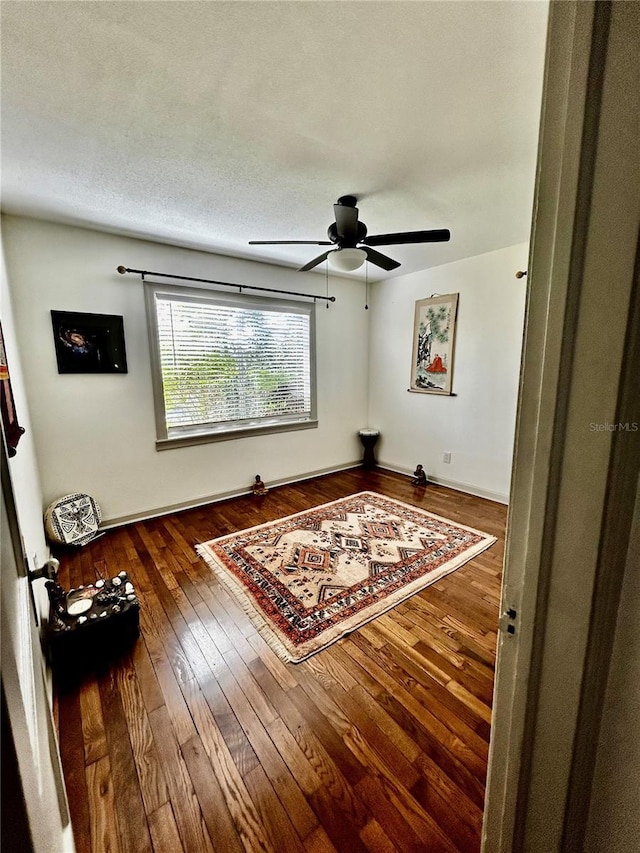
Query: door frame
<point x="569" y="479"/>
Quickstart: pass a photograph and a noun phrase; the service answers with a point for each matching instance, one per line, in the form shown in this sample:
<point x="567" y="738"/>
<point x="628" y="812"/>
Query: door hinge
<point x="508" y="621"/>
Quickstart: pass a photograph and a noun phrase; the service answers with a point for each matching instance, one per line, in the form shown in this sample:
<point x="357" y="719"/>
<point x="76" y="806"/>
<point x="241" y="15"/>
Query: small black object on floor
<point x="369" y="437"/>
<point x="419" y="476"/>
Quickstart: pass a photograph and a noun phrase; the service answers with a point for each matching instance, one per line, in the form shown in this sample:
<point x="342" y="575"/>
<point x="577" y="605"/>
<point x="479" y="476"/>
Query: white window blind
<point x="232" y="364"/>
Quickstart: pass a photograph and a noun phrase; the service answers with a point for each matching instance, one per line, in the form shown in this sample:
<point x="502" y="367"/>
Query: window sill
<point x="229" y="435"/>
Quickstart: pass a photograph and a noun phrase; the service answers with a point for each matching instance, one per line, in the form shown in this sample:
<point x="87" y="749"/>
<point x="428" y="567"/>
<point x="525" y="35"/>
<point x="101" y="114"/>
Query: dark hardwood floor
<point x="201" y="739"/>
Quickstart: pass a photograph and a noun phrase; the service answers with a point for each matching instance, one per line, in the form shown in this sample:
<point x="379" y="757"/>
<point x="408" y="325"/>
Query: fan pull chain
<point x="326" y="271"/>
<point x="366" y="286"/>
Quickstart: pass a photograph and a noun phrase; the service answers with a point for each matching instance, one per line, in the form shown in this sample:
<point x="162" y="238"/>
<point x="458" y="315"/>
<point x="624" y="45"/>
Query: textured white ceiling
<point x="208" y="124"/>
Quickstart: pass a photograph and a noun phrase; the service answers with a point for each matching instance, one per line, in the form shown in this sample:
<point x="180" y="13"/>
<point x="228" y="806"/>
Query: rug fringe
<point x="242" y="598"/>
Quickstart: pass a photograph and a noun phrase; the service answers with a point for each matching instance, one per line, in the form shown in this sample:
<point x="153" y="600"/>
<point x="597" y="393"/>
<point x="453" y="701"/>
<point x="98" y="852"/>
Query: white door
<point x="31" y="762"/>
<point x="572" y="470"/>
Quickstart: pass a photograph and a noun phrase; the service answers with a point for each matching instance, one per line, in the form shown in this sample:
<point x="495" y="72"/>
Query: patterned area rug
<point x="309" y="579"/>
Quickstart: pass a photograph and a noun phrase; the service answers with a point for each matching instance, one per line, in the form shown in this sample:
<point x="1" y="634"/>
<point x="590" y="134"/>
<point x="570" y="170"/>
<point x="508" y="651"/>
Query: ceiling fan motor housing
<point x="343" y="242"/>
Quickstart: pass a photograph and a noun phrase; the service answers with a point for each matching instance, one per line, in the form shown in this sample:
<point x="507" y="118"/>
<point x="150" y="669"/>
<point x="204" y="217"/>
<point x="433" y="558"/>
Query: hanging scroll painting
<point x="433" y="344"/>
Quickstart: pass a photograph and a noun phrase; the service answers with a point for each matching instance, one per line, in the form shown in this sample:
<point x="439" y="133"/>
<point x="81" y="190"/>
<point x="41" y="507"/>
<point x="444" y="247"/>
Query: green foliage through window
<point x="222" y="363"/>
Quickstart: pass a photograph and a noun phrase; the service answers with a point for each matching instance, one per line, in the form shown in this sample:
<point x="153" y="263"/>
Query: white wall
<point x="477" y="425"/>
<point x="96" y="434"/>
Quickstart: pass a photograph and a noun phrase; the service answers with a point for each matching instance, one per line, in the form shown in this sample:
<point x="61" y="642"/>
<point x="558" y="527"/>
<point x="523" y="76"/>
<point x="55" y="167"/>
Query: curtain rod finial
<point x="521" y="273"/>
<point x="122" y="270"/>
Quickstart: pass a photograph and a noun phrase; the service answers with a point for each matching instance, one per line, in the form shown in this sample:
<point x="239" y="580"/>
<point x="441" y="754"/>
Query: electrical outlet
<point x="446" y="457"/>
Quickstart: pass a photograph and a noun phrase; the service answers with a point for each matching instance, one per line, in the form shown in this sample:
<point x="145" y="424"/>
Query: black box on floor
<point x="91" y="623"/>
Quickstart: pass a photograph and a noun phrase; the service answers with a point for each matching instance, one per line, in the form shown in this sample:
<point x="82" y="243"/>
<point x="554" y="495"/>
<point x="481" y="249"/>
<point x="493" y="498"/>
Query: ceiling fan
<point x="347" y="232"/>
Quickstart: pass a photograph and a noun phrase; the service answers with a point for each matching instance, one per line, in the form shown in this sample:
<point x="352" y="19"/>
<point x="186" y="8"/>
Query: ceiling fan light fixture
<point x="347" y="260"/>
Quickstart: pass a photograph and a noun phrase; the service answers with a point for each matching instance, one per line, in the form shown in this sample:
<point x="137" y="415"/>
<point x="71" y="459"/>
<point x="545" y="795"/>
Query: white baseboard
<point x="478" y="491"/>
<point x="156" y="512"/>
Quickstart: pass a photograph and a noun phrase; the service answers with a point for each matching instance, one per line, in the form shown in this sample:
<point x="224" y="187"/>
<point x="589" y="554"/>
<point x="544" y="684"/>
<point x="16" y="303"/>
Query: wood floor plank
<point x="444" y="640"/>
<point x="147" y="679"/>
<point x="159" y="610"/>
<point x="328" y="666"/>
<point x="173" y="697"/>
<point x="471" y="701"/>
<point x="436" y="783"/>
<point x="340" y="707"/>
<point x="407" y="746"/>
<point x="280" y="671"/>
<point x="296" y="760"/>
<point x="94" y="735"/>
<point x="326" y="733"/>
<point x="209" y="621"/>
<point x="102" y="807"/>
<point x="228" y="777"/>
<point x="252" y="692"/>
<point x="151" y="774"/>
<point x="200" y="738"/>
<point x="187" y="812"/>
<point x="460" y="711"/>
<point x="428" y="741"/>
<point x="324" y="767"/>
<point x="164" y="832"/>
<point x="273" y="816"/>
<point x="424" y="823"/>
<point x="376" y="839"/>
<point x="372" y="792"/>
<point x="72" y="754"/>
<point x="337" y="823"/>
<point x="222" y="830"/>
<point x="156" y="551"/>
<point x="469" y="676"/>
<point x="318" y="842"/>
<point x="462" y="751"/>
<point x="234" y="736"/>
<point x="359" y="670"/>
<point x="134" y="832"/>
<point x="274" y="766"/>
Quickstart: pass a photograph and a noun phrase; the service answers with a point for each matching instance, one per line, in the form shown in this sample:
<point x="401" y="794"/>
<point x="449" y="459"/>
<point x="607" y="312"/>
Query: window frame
<point x="167" y="438"/>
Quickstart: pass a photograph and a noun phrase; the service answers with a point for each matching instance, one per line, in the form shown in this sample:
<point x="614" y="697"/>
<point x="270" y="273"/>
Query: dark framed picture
<point x="89" y="343"/>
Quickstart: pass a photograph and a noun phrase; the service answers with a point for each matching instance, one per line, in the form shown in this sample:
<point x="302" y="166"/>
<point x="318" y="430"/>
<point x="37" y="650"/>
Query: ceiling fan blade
<point x="381" y="260"/>
<point x="290" y="243"/>
<point x="438" y="235"/>
<point x="316" y="261"/>
<point x="346" y="222"/>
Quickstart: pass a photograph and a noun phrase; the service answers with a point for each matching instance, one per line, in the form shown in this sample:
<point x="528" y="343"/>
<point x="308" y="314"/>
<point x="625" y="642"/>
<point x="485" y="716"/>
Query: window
<point x="226" y="366"/>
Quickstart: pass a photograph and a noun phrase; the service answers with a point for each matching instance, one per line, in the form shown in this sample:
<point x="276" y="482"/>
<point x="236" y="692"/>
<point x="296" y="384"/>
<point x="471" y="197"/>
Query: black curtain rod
<point x="122" y="270"/>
